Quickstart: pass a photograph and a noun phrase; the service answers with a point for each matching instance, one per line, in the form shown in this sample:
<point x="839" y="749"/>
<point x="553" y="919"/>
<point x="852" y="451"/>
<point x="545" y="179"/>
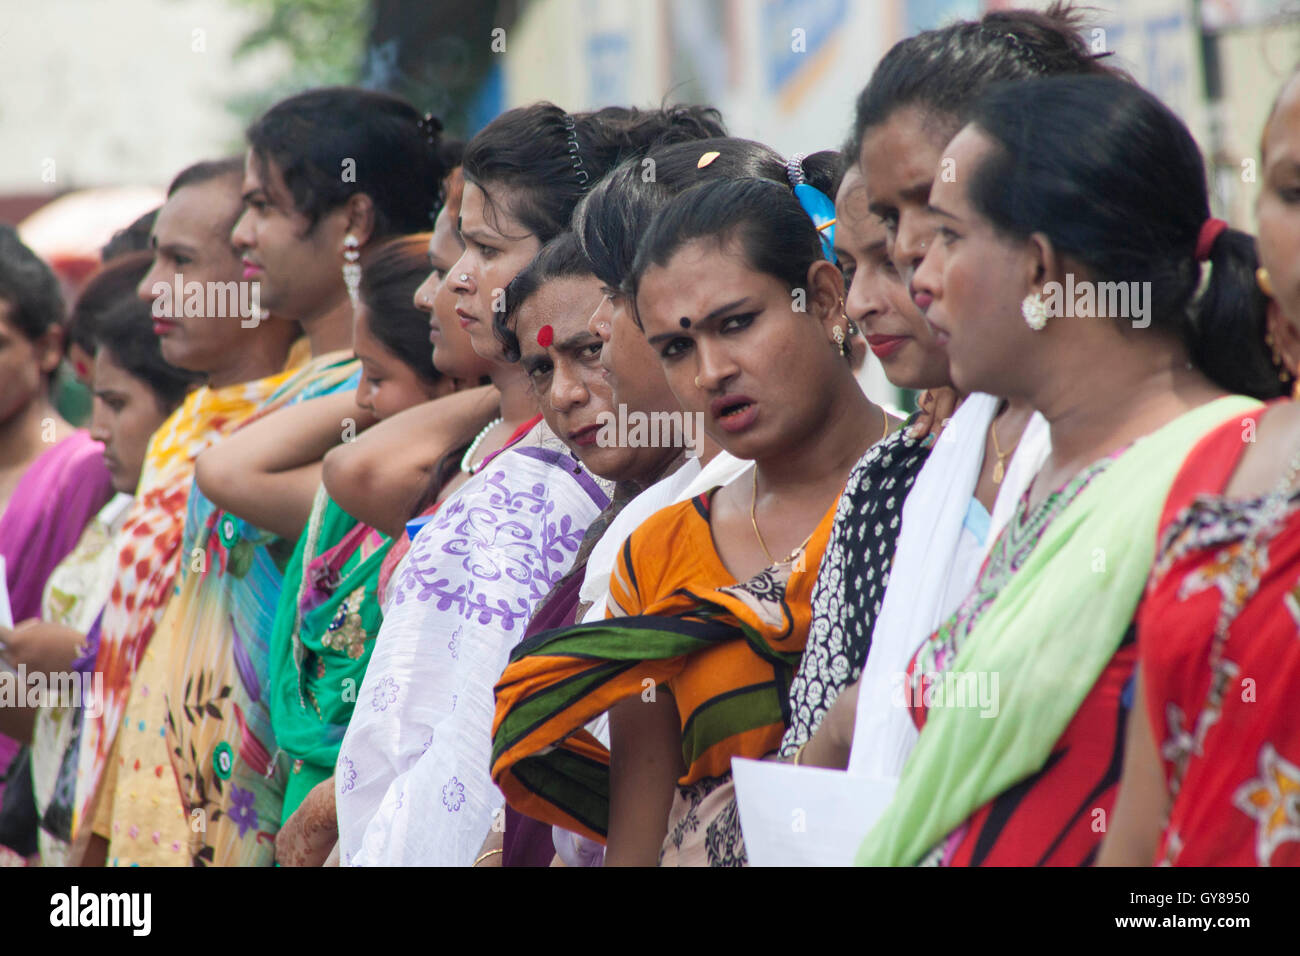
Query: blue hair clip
<point x="815" y="203"/>
<point x="822" y="212"/>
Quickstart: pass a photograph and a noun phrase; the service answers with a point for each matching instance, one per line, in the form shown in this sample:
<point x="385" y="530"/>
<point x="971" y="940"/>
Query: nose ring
<point x="464" y="277"/>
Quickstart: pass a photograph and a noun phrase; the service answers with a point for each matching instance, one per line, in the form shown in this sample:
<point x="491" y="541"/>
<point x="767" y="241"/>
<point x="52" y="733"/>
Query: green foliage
<point x="323" y="39"/>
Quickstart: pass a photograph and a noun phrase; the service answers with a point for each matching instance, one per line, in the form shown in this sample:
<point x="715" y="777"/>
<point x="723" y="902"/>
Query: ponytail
<point x="1228" y="321"/>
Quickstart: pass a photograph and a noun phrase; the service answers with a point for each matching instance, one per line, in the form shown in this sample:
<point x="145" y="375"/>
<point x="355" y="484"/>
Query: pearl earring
<point x="1034" y="310"/>
<point x="352" y="265"/>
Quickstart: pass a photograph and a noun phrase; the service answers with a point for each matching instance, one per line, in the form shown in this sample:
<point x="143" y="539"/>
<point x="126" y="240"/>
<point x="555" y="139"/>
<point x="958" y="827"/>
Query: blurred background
<point x="103" y="102"/>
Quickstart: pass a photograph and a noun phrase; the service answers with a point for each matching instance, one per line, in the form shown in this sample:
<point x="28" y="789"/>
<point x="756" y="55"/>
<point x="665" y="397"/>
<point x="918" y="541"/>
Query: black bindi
<point x="686" y="323"/>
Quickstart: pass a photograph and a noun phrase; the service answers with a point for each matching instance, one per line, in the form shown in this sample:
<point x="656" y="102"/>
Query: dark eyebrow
<point x="532" y="362"/>
<point x="696" y="323"/>
<point x="479" y="236"/>
<point x="173" y="248"/>
<point x="577" y="341"/>
<point x="918" y="192"/>
<point x="937" y="211"/>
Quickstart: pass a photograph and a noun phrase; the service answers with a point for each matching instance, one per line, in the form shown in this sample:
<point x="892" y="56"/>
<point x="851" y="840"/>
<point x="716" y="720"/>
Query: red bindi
<point x="545" y="336"/>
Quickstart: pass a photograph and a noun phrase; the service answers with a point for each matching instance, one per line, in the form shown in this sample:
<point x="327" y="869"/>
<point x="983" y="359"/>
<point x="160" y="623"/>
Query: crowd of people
<point x="359" y="578"/>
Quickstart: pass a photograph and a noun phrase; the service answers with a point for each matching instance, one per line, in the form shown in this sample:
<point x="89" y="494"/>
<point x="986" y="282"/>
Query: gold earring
<point x="697" y="382"/>
<point x="837" y="333"/>
<point x="1265" y="281"/>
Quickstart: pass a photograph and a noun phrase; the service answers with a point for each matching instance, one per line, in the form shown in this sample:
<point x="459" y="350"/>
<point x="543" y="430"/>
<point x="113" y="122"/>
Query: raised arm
<point x="267" y="472"/>
<point x="377" y="477"/>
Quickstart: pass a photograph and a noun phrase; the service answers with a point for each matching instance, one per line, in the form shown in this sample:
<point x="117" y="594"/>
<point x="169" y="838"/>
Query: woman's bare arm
<point x="267" y="473"/>
<point x="378" y="476"/>
<point x="1142" y="805"/>
<point x="645" y="763"/>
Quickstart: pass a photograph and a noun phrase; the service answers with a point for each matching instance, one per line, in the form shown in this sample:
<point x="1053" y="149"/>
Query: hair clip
<point x="821" y="211"/>
<point x="430" y="125"/>
<point x="575" y="151"/>
<point x="707" y="158"/>
<point x="794" y="170"/>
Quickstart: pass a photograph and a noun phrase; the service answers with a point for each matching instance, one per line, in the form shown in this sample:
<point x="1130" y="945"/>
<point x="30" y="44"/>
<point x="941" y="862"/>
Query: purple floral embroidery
<point x="454" y="644"/>
<point x="427" y="744"/>
<point x="454" y="699"/>
<point x="469" y="546"/>
<point x="453" y="795"/>
<point x="241" y="809"/>
<point x="348" y="774"/>
<point x="385" y="694"/>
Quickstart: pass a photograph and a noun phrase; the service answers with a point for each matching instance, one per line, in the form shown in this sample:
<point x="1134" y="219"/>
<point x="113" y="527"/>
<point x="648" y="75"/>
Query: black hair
<point x="396" y="154"/>
<point x="1115" y="180"/>
<point x="132" y="238"/>
<point x="126" y="332"/>
<point x="389" y="277"/>
<point x="561" y="258"/>
<point x="775" y="234"/>
<point x="28" y="287"/>
<point x="943" y="71"/>
<point x="616" y="213"/>
<point x="549" y="158"/>
<point x="206" y="171"/>
<point x="116" y="282"/>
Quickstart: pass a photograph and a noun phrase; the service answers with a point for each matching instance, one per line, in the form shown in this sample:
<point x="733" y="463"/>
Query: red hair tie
<point x="1211" y="229"/>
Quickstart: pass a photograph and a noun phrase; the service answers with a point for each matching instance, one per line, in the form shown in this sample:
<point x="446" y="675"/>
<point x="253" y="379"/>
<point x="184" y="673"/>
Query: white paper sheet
<point x="6" y="611"/>
<point x="805" y="816"/>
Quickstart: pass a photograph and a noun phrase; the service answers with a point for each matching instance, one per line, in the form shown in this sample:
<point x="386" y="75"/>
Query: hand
<point x="40" y="647"/>
<point x="937" y="406"/>
<point x="311" y="833"/>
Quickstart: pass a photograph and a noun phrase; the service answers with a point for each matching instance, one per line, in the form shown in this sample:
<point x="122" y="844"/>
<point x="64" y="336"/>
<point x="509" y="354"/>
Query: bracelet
<point x="798" y="754"/>
<point x="484" y="856"/>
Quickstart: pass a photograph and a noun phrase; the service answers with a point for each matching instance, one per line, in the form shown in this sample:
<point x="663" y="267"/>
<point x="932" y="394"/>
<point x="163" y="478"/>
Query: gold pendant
<point x="998" y="472"/>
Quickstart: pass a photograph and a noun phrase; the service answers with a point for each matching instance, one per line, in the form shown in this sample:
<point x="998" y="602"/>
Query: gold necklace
<point x="999" y="469"/>
<point x="753" y="511"/>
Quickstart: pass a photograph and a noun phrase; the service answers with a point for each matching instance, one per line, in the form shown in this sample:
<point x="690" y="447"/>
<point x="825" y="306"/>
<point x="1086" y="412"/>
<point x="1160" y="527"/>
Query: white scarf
<point x="925" y="561"/>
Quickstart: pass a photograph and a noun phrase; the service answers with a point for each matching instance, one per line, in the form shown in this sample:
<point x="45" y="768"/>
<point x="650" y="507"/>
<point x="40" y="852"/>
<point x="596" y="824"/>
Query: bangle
<point x="798" y="754"/>
<point x="484" y="856"/>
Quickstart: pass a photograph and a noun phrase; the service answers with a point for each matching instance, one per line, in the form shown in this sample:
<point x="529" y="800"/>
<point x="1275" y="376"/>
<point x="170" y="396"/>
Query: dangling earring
<point x="837" y="333"/>
<point x="1034" y="310"/>
<point x="352" y="265"/>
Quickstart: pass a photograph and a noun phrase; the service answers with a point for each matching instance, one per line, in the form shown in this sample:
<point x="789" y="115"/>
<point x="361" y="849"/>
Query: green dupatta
<point x="1048" y="636"/>
<point x="318" y="658"/>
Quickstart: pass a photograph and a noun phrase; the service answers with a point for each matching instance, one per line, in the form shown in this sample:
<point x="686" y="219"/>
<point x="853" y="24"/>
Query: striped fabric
<point x="726" y="651"/>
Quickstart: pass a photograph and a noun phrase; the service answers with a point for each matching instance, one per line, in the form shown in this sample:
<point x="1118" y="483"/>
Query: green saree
<point x="324" y="633"/>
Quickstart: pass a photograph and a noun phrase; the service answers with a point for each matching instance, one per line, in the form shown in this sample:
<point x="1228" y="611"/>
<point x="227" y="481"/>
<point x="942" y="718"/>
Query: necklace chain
<point x="999" y="468"/>
<point x="473" y="446"/>
<point x="753" y="511"/>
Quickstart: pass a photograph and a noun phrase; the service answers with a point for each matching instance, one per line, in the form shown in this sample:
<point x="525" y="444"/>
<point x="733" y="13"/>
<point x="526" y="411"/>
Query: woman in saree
<point x="1212" y="762"/>
<point x="125" y="774"/>
<point x="52" y="478"/>
<point x="477" y="569"/>
<point x="301" y="235"/>
<point x="1024" y="771"/>
<point x="710" y="599"/>
<point x="874" y="606"/>
<point x="135" y="392"/>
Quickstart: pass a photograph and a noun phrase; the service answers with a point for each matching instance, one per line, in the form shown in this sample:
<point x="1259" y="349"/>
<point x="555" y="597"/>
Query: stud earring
<point x="1034" y="310"/>
<point x="1265" y="281"/>
<point x="697" y="382"/>
<point x="352" y="265"/>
